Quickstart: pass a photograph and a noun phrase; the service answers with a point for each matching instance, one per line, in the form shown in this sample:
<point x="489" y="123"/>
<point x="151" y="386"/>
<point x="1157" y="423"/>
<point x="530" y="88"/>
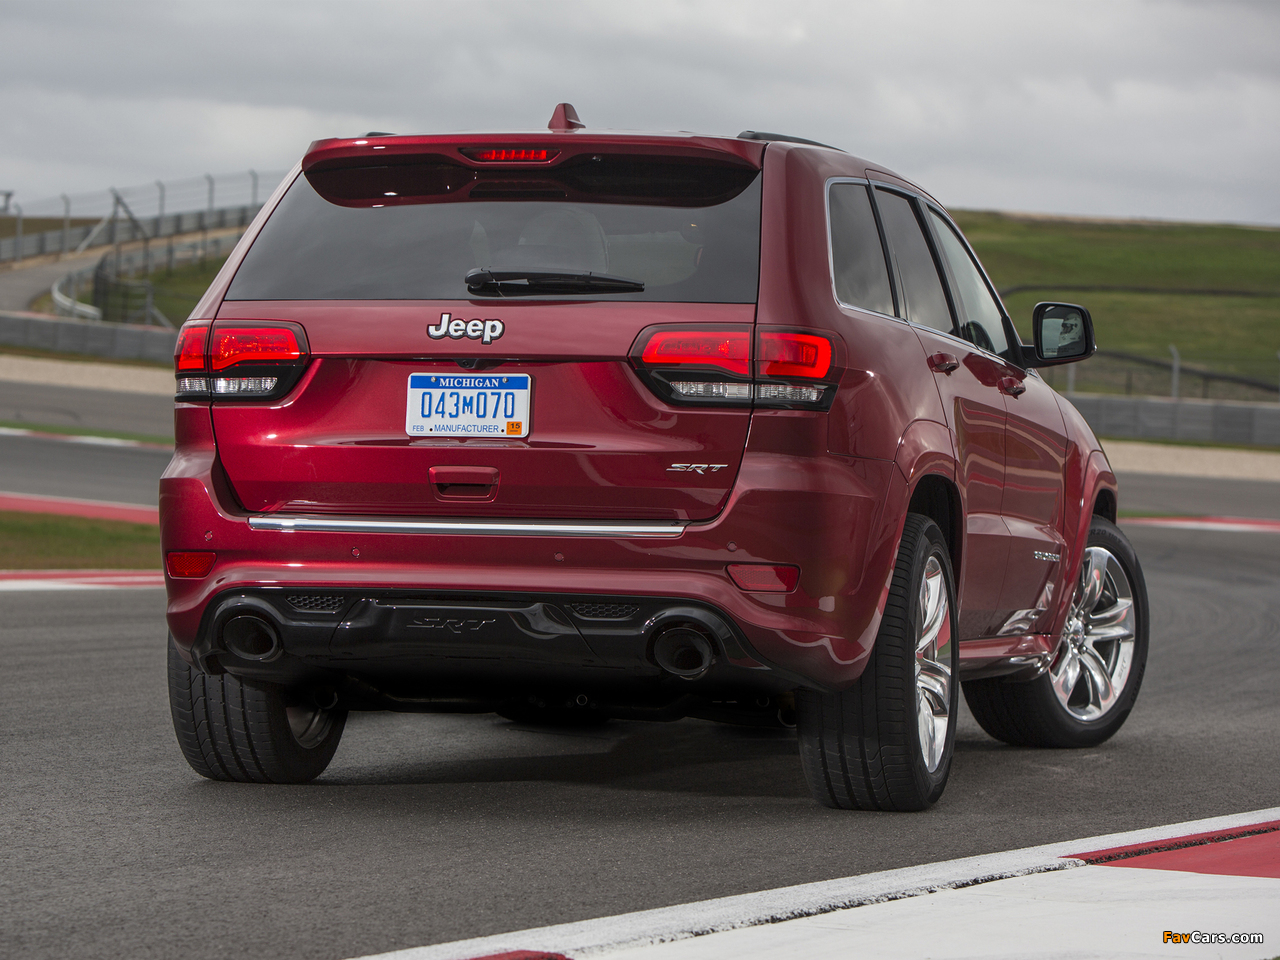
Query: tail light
<point x="242" y="360"/>
<point x="717" y="365"/>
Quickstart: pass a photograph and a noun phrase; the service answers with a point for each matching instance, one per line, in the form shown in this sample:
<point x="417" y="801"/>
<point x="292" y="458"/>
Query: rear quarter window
<point x="859" y="270"/>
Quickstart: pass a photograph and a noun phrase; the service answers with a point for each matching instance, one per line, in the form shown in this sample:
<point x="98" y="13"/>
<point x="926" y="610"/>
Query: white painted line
<point x="1090" y="912"/>
<point x="666" y="924"/>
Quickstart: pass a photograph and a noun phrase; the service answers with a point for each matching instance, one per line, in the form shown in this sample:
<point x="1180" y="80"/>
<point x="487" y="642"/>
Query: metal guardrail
<point x="158" y="210"/>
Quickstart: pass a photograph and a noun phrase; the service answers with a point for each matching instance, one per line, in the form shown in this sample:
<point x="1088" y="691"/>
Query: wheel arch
<point x="936" y="497"/>
<point x="1104" y="504"/>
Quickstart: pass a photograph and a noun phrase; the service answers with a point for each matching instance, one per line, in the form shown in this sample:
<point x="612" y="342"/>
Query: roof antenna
<point x="565" y="118"/>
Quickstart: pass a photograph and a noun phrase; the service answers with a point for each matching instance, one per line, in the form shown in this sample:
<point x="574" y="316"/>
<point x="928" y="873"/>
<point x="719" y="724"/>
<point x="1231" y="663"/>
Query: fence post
<point x="1176" y="369"/>
<point x="1278" y="358"/>
<point x="160" y="209"/>
<point x="17" y="233"/>
<point x="66" y="223"/>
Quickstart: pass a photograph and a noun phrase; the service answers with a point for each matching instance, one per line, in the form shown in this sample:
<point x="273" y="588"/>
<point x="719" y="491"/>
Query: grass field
<point x="176" y="291"/>
<point x="1231" y="334"/>
<point x="38" y="541"/>
<point x="179" y="290"/>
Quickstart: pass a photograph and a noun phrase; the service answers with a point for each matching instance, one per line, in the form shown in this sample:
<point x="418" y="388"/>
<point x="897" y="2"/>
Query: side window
<point x="983" y="326"/>
<point x="926" y="301"/>
<point x="857" y="257"/>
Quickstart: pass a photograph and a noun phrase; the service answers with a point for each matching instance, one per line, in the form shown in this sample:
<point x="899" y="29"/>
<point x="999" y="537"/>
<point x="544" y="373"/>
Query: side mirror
<point x="1063" y="333"/>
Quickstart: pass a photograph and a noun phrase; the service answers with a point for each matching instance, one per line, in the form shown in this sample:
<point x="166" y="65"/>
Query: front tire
<point x="1090" y="687"/>
<point x="229" y="729"/>
<point x="886" y="743"/>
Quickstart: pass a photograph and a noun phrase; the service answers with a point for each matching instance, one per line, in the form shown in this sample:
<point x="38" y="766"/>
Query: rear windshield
<point x="689" y="232"/>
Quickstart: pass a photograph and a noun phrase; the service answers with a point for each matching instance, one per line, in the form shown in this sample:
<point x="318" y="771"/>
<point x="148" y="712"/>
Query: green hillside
<point x="1231" y="334"/>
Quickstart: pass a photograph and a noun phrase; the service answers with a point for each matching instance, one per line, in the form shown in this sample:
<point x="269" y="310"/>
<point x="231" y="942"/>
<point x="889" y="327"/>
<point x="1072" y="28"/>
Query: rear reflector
<point x="786" y="354"/>
<point x="253" y="345"/>
<point x="728" y="350"/>
<point x="510" y="154"/>
<point x="764" y="577"/>
<point x="190" y="566"/>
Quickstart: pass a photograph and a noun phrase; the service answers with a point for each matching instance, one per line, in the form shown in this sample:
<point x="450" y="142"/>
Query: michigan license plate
<point x="468" y="405"/>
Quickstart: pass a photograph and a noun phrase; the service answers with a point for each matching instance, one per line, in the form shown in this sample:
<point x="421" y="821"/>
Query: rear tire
<point x="229" y="729"/>
<point x="886" y="743"/>
<point x="1091" y="686"/>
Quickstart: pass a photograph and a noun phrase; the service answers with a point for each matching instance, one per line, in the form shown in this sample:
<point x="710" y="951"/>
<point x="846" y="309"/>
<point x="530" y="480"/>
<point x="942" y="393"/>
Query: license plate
<point x="468" y="405"/>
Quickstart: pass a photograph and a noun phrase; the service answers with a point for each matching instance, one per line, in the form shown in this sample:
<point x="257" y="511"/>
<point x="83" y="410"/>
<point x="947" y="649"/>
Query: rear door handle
<point x="943" y="362"/>
<point x="1012" y="386"/>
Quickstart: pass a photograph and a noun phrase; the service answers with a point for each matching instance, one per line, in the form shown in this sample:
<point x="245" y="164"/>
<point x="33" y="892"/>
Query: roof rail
<point x="761" y="135"/>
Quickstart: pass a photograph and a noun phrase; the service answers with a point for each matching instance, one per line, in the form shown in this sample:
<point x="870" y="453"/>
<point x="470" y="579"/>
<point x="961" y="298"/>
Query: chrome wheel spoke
<point x="935" y="684"/>
<point x="1092" y="578"/>
<point x="1066" y="674"/>
<point x="1102" y="693"/>
<point x="1114" y="623"/>
<point x="933" y="664"/>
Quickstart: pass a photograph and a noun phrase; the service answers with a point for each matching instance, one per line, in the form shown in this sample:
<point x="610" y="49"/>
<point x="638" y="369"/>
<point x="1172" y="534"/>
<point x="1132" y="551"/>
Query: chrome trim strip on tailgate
<point x="471" y="528"/>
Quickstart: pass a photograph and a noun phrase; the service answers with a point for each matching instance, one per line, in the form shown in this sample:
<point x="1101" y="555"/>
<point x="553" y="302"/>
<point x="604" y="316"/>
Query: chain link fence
<point x="73" y="223"/>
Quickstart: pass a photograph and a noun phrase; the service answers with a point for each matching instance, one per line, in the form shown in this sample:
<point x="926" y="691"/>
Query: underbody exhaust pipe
<point x="683" y="650"/>
<point x="251" y="637"/>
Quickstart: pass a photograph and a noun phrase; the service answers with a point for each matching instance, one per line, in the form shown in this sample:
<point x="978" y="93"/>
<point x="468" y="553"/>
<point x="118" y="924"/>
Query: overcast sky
<point x="1115" y="108"/>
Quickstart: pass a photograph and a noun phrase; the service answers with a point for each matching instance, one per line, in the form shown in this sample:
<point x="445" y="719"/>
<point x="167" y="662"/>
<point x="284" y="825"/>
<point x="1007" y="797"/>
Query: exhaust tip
<point x="251" y="638"/>
<point x="683" y="651"/>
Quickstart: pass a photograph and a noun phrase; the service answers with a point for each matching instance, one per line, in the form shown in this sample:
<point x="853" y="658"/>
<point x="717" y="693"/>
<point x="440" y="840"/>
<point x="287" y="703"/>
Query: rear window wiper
<point x="517" y="283"/>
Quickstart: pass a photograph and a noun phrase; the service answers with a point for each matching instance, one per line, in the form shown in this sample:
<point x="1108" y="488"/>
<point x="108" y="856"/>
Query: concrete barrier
<point x="120" y="341"/>
<point x="1162" y="418"/>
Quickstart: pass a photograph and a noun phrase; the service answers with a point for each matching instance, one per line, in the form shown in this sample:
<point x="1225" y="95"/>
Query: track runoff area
<point x="1205" y="888"/>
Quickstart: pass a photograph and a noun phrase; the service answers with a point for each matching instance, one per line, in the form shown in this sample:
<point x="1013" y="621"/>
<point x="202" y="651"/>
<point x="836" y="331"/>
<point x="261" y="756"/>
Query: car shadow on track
<point x="683" y="757"/>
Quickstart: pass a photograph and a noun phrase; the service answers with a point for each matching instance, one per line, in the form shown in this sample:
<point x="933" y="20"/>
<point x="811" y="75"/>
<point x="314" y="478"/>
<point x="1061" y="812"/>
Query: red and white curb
<point x="23" y="580"/>
<point x="75" y="507"/>
<point x="1134" y="894"/>
<point x="1220" y="524"/>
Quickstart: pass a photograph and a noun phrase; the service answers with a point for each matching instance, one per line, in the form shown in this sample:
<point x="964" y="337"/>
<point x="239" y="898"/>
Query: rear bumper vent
<point x="604" y="611"/>
<point x="315" y="603"/>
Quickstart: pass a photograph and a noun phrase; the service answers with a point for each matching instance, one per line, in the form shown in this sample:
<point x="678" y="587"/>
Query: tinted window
<point x="983" y="326"/>
<point x="692" y="238"/>
<point x="926" y="301"/>
<point x="857" y="258"/>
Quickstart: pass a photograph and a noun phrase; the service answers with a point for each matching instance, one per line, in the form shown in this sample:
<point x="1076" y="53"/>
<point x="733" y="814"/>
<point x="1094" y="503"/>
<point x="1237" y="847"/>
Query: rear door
<point x="522" y="395"/>
<point x="968" y="382"/>
<point x="1031" y="501"/>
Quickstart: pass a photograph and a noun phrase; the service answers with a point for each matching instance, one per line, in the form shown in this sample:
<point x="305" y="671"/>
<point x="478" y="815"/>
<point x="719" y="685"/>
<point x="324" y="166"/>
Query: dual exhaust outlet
<point x="682" y="647"/>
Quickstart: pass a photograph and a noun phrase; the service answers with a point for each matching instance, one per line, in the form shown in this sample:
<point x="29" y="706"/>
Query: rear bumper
<point x="836" y="518"/>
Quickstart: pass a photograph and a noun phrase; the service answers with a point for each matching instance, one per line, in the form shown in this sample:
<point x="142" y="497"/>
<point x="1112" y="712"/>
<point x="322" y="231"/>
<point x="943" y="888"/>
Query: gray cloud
<point x="1125" y="107"/>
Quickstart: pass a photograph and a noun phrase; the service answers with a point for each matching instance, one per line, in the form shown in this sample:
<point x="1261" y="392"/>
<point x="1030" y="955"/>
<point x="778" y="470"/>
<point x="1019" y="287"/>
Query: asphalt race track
<point x="433" y="828"/>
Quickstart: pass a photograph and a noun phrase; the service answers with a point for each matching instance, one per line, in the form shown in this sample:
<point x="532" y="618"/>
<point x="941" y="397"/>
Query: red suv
<point x="574" y="425"/>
